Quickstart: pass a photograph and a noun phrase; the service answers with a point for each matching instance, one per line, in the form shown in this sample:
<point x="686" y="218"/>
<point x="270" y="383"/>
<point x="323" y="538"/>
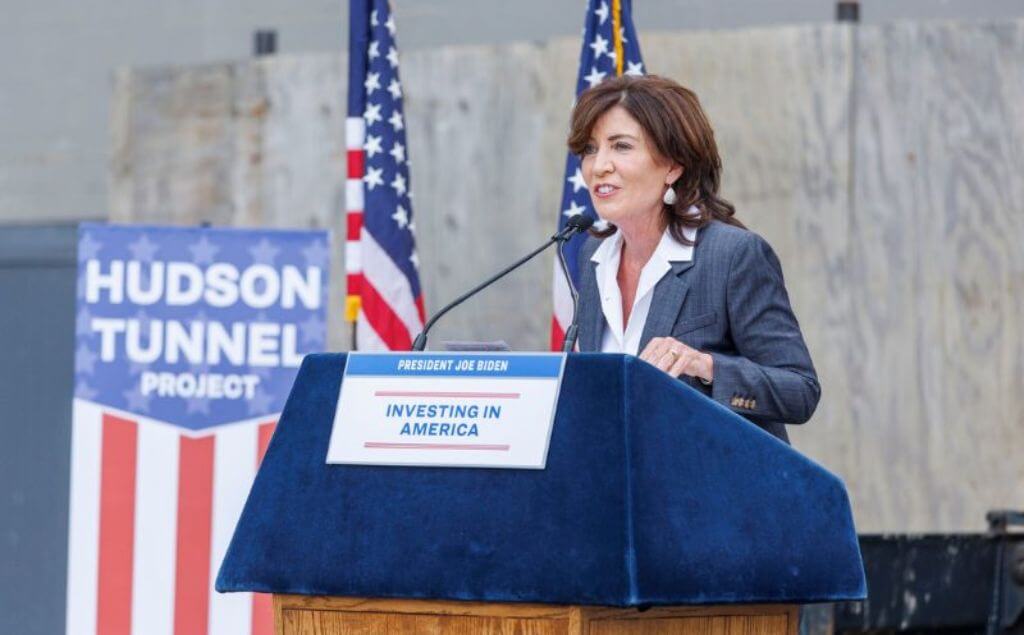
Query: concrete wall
<point x="57" y="57"/>
<point x="884" y="163"/>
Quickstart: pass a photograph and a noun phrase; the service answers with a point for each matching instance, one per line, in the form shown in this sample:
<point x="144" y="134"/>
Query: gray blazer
<point x="729" y="301"/>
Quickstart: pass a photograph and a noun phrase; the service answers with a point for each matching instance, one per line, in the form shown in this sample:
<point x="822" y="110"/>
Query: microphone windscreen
<point x="580" y="222"/>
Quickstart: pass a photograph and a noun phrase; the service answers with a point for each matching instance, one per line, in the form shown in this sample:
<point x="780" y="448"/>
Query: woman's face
<point x="624" y="173"/>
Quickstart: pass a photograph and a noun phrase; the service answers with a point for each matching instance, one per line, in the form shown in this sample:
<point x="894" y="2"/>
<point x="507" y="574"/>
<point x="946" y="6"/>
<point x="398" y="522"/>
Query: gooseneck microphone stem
<point x="421" y="339"/>
<point x="569" y="341"/>
<point x="576" y="224"/>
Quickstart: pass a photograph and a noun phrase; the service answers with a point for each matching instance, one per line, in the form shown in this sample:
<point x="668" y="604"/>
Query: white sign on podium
<point x="491" y="410"/>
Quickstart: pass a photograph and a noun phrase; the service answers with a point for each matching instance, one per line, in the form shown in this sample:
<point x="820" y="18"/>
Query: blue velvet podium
<point x="653" y="496"/>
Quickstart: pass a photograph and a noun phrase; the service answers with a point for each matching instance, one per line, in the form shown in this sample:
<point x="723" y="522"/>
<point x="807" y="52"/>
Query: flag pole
<point x="617" y="35"/>
<point x="352" y="305"/>
<point x="359" y="36"/>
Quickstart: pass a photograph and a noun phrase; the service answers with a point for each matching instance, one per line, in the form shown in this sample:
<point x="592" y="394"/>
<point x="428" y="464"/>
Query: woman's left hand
<point x="675" y="358"/>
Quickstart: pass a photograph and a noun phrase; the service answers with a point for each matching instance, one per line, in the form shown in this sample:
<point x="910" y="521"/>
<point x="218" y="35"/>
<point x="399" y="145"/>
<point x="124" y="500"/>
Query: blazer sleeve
<point x="772" y="377"/>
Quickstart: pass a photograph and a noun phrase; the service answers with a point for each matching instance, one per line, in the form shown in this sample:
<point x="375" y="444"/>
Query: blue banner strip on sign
<point x="197" y="326"/>
<point x="461" y="365"/>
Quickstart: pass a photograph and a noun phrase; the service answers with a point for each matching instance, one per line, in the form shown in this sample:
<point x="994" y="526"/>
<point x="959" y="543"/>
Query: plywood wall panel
<point x="936" y="237"/>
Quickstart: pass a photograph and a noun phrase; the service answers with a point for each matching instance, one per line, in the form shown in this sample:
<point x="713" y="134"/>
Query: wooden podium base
<point x="309" y="615"/>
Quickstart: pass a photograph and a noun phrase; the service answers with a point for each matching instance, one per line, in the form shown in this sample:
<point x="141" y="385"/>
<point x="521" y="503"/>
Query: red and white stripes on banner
<point x="153" y="508"/>
<point x="389" y="315"/>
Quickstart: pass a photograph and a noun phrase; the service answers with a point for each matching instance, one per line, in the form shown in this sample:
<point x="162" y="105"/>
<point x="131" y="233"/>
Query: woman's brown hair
<point x="675" y="123"/>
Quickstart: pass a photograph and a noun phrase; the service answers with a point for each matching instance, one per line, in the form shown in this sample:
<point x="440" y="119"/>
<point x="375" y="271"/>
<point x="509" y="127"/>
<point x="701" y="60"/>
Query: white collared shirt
<point x="619" y="338"/>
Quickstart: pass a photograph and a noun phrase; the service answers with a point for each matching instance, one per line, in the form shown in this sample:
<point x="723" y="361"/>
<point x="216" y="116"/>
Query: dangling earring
<point x="670" y="196"/>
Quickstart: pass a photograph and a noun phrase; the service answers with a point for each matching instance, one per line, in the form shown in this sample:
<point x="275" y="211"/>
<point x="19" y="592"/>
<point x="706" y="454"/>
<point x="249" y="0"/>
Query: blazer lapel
<point x="669" y="294"/>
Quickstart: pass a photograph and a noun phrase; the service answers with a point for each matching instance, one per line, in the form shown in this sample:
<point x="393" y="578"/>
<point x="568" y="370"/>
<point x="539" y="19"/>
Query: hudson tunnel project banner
<point x="187" y="343"/>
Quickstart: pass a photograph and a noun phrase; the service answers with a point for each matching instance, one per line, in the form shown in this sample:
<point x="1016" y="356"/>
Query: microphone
<point x="575" y="225"/>
<point x="569" y="340"/>
<point x="578" y="224"/>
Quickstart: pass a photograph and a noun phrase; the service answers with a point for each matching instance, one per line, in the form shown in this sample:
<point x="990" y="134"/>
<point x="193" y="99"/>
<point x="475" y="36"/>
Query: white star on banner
<point x="602" y="12"/>
<point x="143" y="249"/>
<point x="374" y="50"/>
<point x="399" y="184"/>
<point x="373" y="18"/>
<point x="203" y="251"/>
<point x="635" y="68"/>
<point x="372" y="114"/>
<point x="398" y="152"/>
<point x="85" y="360"/>
<point x="259" y="403"/>
<point x="390" y="24"/>
<point x="396" y="121"/>
<point x="83" y="390"/>
<point x="395" y="89"/>
<point x="574" y="208"/>
<point x="317" y="254"/>
<point x="372" y="82"/>
<point x="137" y="402"/>
<point x="401" y="217"/>
<point x="599" y="45"/>
<point x="595" y="76"/>
<point x="392" y="57"/>
<point x="374" y="177"/>
<point x="88" y="248"/>
<point x="415" y="260"/>
<point x="312" y="329"/>
<point x="622" y="34"/>
<point x="577" y="181"/>
<point x="263" y="253"/>
<point x="372" y="146"/>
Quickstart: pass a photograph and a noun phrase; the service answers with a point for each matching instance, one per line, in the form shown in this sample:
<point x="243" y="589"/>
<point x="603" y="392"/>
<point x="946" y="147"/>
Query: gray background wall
<point x="57" y="60"/>
<point x="883" y="162"/>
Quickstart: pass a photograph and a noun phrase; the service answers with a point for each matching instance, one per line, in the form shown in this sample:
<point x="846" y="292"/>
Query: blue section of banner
<point x="455" y="365"/>
<point x="197" y="326"/>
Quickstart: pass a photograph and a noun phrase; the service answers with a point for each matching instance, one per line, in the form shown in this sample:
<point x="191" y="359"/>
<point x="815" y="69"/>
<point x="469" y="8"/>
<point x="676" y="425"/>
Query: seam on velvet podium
<point x="628" y="449"/>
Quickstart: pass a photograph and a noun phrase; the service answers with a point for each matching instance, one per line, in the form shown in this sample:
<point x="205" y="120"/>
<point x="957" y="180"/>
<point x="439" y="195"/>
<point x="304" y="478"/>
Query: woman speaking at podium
<point x="675" y="278"/>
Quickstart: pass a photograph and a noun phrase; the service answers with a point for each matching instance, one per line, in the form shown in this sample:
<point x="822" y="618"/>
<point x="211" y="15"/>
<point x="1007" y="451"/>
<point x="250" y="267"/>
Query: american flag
<point x="385" y="299"/>
<point x="610" y="48"/>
